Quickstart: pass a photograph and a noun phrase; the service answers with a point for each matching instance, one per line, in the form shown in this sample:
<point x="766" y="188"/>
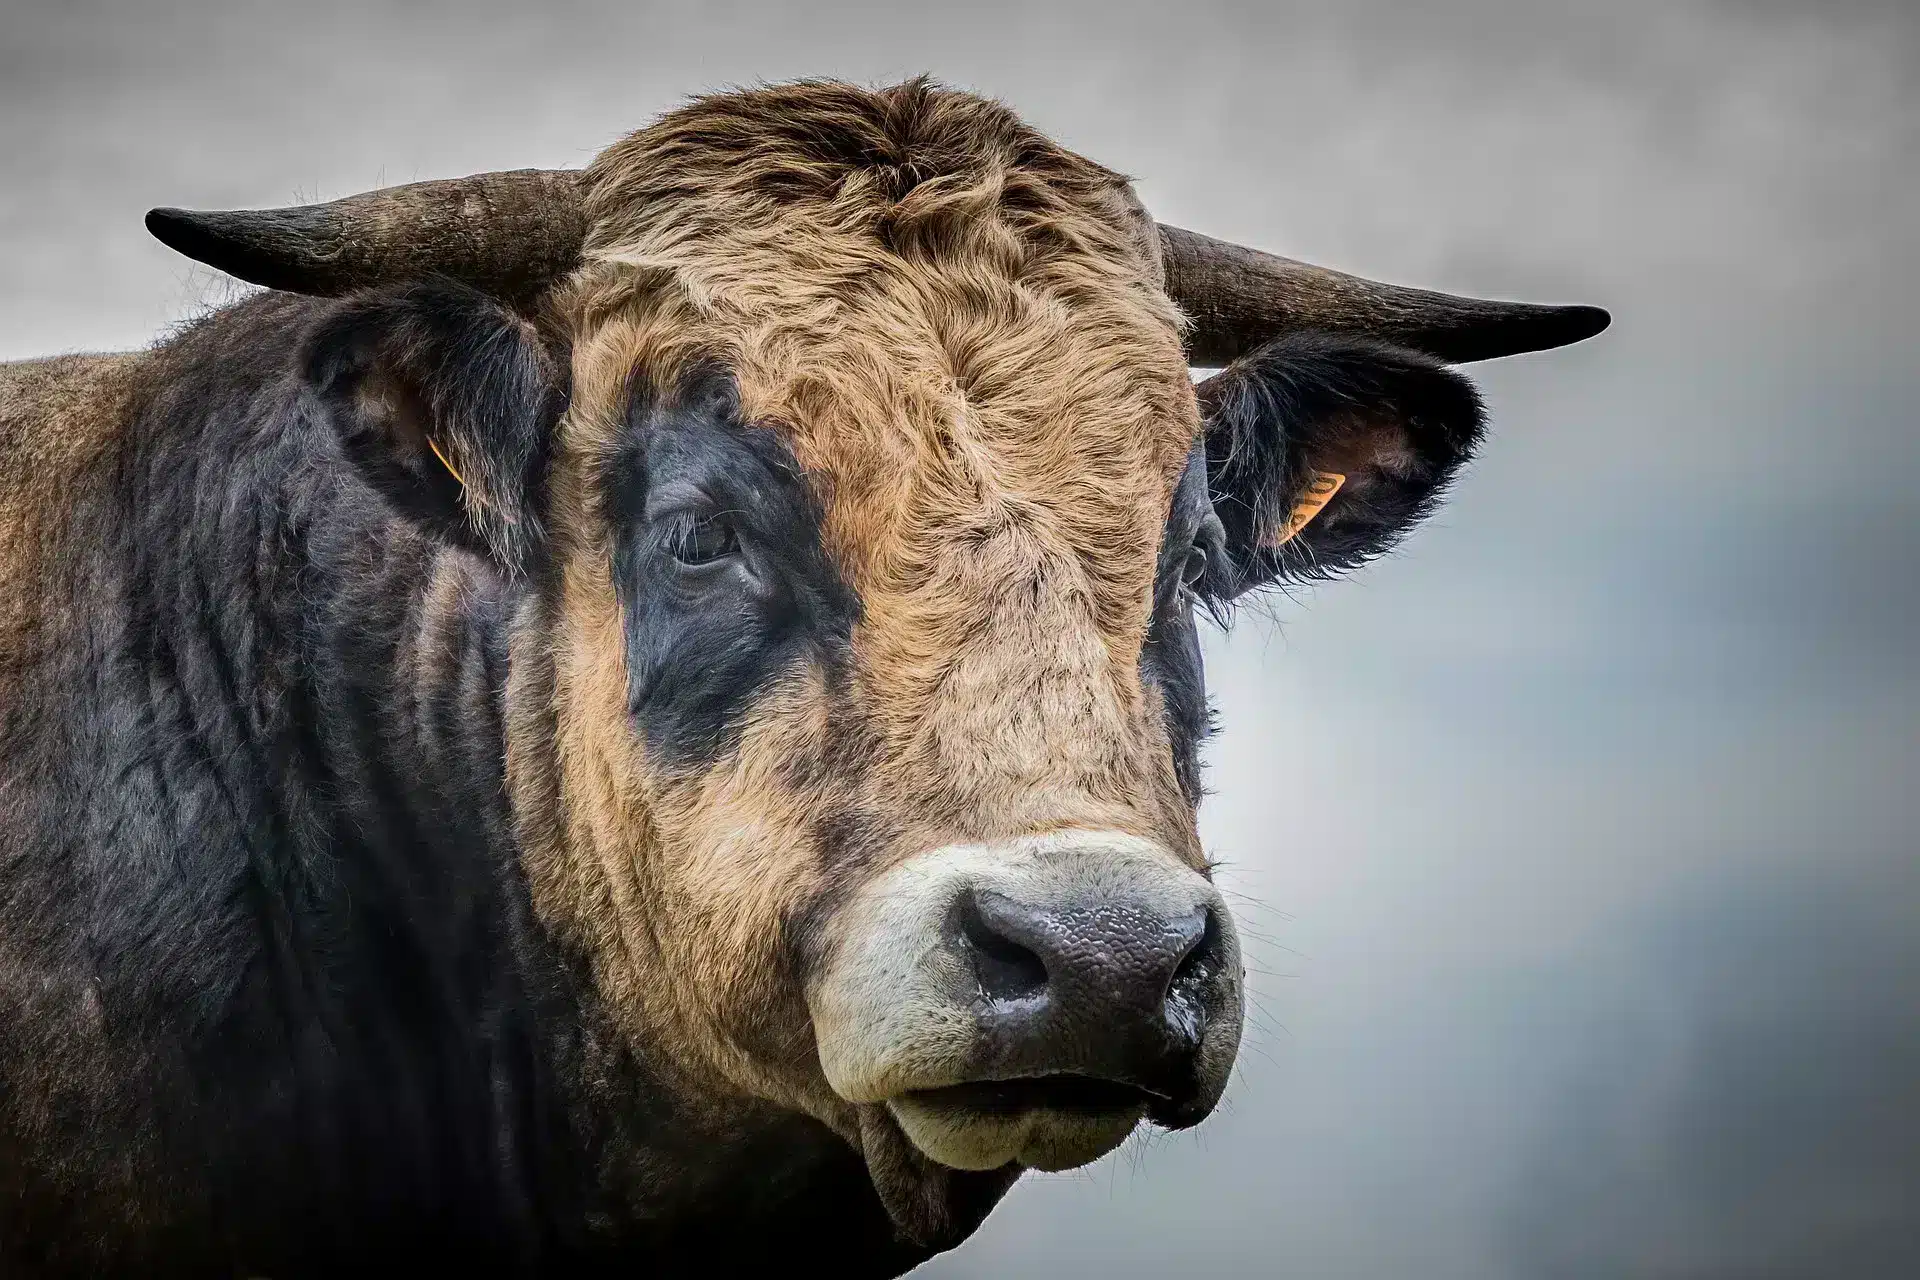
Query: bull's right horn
<point x="510" y="234"/>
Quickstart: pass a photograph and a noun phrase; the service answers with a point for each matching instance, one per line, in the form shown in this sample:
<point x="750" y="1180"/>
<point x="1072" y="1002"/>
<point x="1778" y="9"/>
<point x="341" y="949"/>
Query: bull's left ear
<point x="1323" y="450"/>
<point x="445" y="400"/>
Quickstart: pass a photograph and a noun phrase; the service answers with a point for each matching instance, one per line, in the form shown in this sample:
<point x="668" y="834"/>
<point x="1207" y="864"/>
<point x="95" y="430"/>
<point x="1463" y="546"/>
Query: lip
<point x="1066" y="1094"/>
<point x="1042" y="1122"/>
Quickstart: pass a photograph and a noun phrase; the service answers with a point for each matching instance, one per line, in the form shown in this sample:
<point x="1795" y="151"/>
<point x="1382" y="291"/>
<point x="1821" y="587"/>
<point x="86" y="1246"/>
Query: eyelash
<point x="702" y="540"/>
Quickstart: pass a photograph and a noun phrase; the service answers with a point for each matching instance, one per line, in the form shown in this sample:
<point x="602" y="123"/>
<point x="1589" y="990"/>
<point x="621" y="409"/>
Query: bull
<point x="649" y="717"/>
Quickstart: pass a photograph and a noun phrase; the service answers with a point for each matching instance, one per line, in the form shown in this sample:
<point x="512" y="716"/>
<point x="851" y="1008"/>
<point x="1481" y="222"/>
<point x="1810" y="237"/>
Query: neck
<point x="299" y="767"/>
<point x="394" y="1048"/>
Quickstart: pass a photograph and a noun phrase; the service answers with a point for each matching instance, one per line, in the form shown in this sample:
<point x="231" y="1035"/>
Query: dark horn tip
<point x="177" y="229"/>
<point x="1552" y="327"/>
<point x="1577" y="324"/>
<point x="1512" y="332"/>
<point x="272" y="247"/>
<point x="202" y="237"/>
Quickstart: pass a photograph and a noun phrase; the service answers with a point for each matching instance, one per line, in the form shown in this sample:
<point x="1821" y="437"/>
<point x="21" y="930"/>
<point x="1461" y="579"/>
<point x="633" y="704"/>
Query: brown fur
<point x="57" y="418"/>
<point x="958" y="326"/>
<point x="60" y="419"/>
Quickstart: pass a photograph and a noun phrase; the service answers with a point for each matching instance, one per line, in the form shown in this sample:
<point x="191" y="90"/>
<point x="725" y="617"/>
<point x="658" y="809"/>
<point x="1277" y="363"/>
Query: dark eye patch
<point x="1190" y="557"/>
<point x="724" y="584"/>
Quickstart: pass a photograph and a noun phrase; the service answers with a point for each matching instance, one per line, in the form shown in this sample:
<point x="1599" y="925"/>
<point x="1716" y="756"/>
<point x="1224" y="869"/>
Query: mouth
<point x="1024" y="1004"/>
<point x="941" y="1157"/>
<point x="1047" y="1122"/>
<point x="1066" y="1094"/>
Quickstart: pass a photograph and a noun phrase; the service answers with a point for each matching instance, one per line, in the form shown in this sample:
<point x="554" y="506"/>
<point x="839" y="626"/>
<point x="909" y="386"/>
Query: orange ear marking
<point x="443" y="462"/>
<point x="1320" y="491"/>
<point x="473" y="497"/>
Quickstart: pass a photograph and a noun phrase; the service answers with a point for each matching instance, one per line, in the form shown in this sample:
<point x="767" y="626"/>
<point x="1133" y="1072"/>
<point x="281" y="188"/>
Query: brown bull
<point x="649" y="716"/>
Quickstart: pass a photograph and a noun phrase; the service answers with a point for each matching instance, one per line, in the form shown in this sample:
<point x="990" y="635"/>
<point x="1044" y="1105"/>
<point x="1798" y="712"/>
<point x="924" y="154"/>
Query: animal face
<point x="862" y="506"/>
<point x="864" y="503"/>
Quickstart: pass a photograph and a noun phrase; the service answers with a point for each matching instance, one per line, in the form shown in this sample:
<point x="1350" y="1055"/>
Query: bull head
<point x="846" y="442"/>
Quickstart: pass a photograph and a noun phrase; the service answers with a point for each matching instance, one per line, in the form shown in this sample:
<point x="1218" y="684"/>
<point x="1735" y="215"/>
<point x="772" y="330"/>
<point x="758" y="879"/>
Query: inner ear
<point x="445" y="401"/>
<point x="1323" y="451"/>
<point x="390" y="402"/>
<point x="389" y="439"/>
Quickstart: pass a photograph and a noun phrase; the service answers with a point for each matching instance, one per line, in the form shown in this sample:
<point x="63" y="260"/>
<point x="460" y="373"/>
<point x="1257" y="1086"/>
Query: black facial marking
<point x="1191" y="554"/>
<point x="723" y="582"/>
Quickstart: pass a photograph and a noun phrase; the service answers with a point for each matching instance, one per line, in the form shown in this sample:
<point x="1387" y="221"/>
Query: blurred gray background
<point x="1577" y="841"/>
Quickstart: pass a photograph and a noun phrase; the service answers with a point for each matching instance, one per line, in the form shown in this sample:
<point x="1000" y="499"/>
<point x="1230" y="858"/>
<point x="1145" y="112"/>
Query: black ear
<point x="1322" y="451"/>
<point x="446" y="402"/>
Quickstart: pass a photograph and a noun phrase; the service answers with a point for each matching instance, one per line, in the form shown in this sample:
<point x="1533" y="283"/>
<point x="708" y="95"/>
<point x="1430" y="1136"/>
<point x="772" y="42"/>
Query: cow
<point x="647" y="719"/>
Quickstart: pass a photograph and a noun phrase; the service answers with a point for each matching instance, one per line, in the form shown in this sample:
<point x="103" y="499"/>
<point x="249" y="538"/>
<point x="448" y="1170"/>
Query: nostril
<point x="1186" y="1009"/>
<point x="1202" y="957"/>
<point x="1005" y="969"/>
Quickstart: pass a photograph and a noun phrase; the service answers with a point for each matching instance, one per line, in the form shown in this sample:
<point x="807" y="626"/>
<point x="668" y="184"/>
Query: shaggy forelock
<point x="903" y="166"/>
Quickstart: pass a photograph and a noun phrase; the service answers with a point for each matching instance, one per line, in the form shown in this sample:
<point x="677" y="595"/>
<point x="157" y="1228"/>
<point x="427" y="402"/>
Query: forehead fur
<point x="881" y="163"/>
<point x="959" y="325"/>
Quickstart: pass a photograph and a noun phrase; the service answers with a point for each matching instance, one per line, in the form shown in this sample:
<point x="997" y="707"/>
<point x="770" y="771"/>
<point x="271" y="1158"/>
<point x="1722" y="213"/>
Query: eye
<point x="702" y="541"/>
<point x="1207" y="556"/>
<point x="1196" y="566"/>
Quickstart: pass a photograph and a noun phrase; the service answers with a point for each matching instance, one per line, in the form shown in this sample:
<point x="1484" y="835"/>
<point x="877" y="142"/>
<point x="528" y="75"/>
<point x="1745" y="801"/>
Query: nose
<point x="1032" y="999"/>
<point x="1113" y="991"/>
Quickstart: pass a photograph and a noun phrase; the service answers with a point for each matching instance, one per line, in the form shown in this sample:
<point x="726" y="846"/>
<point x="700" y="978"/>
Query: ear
<point x="445" y="400"/>
<point x="1322" y="451"/>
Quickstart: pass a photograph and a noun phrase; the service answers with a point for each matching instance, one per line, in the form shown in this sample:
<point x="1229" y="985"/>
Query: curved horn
<point x="508" y="233"/>
<point x="1239" y="298"/>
